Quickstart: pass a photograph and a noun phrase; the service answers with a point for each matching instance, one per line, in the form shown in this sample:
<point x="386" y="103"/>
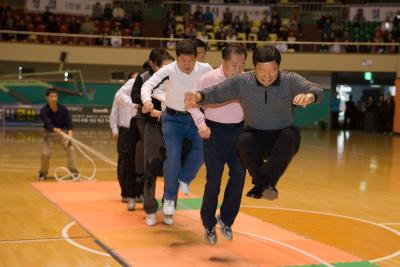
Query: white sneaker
<point x="151" y="219"/>
<point x="131" y="203"/>
<point x="184" y="187"/>
<point x="168" y="220"/>
<point x="169" y="207"/>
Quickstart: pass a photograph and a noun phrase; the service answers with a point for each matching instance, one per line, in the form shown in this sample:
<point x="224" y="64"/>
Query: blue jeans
<point x="175" y="128"/>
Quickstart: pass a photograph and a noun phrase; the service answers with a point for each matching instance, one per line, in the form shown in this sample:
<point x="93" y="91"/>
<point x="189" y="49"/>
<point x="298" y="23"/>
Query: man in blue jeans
<point x="179" y="77"/>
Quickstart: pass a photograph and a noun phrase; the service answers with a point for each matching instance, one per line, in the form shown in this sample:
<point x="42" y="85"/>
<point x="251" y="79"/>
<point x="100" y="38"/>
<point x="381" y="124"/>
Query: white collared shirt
<point x="122" y="109"/>
<point x="176" y="83"/>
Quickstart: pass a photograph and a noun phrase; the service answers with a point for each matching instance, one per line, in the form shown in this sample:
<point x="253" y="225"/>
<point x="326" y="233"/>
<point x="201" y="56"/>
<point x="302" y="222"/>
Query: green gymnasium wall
<point x="309" y="117"/>
<point x="103" y="94"/>
<point x="313" y="115"/>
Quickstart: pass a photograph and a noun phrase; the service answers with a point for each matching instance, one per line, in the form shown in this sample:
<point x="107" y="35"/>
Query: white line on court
<point x="264" y="239"/>
<point x="66" y="237"/>
<point x="392" y="223"/>
<point x="395" y="254"/>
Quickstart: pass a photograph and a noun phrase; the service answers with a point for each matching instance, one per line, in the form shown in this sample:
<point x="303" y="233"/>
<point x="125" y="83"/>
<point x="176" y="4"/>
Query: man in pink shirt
<point x="220" y="126"/>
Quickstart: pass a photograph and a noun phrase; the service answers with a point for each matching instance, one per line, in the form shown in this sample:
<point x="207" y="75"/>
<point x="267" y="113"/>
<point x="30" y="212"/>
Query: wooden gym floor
<point x="342" y="189"/>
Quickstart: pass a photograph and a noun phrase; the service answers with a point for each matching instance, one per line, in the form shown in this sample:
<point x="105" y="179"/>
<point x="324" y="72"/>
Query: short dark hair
<point x="266" y="53"/>
<point x="199" y="43"/>
<point x="51" y="91"/>
<point x="158" y="55"/>
<point x="230" y="49"/>
<point x="186" y="47"/>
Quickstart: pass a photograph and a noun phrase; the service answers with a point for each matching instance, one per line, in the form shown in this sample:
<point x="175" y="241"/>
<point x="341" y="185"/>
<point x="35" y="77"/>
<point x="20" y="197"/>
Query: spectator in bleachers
<point x="377" y="39"/>
<point x="275" y="26"/>
<point x="208" y="17"/>
<point x="359" y="18"/>
<point x="324" y="38"/>
<point x="108" y="12"/>
<point x="294" y="24"/>
<point x="227" y="17"/>
<point x="325" y="22"/>
<point x="87" y="26"/>
<point x="230" y="35"/>
<point x="116" y="40"/>
<point x="267" y="16"/>
<point x="275" y="16"/>
<point x="387" y="25"/>
<point x="236" y="24"/>
<point x="393" y="49"/>
<point x="246" y="24"/>
<point x="348" y="48"/>
<point x="396" y="20"/>
<point x="337" y="28"/>
<point x="51" y="25"/>
<point x="251" y="46"/>
<point x="190" y="32"/>
<point x="292" y="37"/>
<point x="282" y="47"/>
<point x="136" y="32"/>
<point x="187" y="19"/>
<point x="137" y="14"/>
<point x="262" y="34"/>
<point x="198" y="17"/>
<point x="118" y="12"/>
<point x="97" y="11"/>
<point x="46" y="14"/>
<point x="336" y="48"/>
<point x="74" y="25"/>
<point x="21" y="26"/>
<point x="170" y="17"/>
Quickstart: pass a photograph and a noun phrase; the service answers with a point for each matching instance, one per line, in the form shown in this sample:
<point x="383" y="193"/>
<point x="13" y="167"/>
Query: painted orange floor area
<point x="96" y="207"/>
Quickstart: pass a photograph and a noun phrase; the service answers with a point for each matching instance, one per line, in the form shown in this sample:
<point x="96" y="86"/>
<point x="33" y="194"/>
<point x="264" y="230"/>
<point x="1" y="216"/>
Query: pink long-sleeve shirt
<point x="229" y="112"/>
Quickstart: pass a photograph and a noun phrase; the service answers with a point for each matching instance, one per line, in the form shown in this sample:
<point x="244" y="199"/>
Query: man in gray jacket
<point x="267" y="95"/>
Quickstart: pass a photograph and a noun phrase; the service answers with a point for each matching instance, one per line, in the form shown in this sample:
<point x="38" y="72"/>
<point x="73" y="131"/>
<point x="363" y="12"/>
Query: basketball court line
<point x="395" y="254"/>
<point x="66" y="237"/>
<point x="36" y="240"/>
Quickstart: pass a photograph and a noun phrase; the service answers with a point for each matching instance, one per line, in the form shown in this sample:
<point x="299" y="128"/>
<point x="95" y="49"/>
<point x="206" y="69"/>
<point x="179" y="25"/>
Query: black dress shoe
<point x="256" y="192"/>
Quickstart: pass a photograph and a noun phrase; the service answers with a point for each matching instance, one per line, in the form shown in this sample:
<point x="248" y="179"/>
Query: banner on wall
<point x="374" y="13"/>
<point x="82" y="116"/>
<point x="253" y="12"/>
<point x="73" y="7"/>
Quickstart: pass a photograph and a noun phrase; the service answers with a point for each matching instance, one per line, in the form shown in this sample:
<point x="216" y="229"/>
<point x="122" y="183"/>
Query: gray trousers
<point x="152" y="142"/>
<point x="47" y="150"/>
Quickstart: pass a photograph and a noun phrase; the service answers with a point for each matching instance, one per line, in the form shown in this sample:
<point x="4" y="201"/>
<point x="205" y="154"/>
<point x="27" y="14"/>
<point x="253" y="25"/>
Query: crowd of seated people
<point x="106" y="21"/>
<point x="115" y="22"/>
<point x="359" y="30"/>
<point x="203" y="25"/>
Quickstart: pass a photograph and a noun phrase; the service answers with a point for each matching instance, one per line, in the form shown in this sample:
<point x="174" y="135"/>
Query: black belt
<point x="224" y="125"/>
<point x="171" y="111"/>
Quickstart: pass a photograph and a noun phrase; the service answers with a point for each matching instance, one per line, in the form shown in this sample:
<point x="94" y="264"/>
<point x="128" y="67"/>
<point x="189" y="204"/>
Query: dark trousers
<point x="219" y="149"/>
<point x="267" y="153"/>
<point x="133" y="188"/>
<point x="153" y="141"/>
<point x="123" y="152"/>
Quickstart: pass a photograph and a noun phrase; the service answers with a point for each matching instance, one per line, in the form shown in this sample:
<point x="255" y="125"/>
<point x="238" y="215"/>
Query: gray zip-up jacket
<point x="265" y="108"/>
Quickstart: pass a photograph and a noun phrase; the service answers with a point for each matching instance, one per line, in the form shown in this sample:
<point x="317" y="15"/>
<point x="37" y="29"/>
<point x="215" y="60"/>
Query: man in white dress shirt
<point x="179" y="77"/>
<point x="121" y="114"/>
